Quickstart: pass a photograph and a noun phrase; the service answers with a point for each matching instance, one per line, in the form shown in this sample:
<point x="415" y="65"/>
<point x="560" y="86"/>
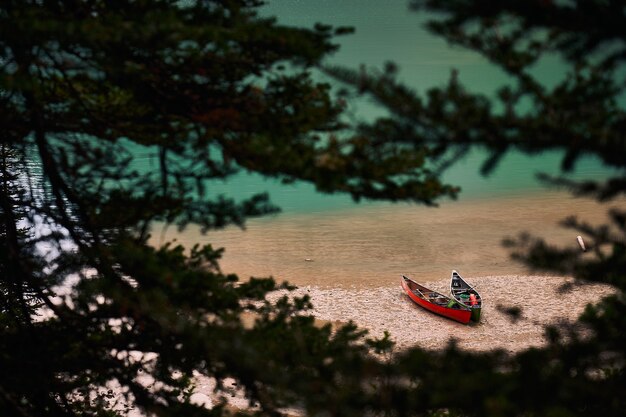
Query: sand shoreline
<point x="371" y="246"/>
<point x="349" y="262"/>
<point x="541" y="298"/>
<point x="387" y="308"/>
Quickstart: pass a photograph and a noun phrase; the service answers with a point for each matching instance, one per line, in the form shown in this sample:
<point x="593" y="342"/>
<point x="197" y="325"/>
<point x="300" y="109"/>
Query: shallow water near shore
<point x="372" y="245"/>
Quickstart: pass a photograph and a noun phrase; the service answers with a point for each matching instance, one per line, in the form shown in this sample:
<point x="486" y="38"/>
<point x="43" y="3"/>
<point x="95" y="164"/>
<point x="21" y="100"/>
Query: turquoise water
<point x="392" y="33"/>
<point x="515" y="176"/>
<point x="329" y="240"/>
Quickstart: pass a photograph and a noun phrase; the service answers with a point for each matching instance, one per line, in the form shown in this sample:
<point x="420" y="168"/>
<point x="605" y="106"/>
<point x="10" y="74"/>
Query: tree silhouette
<point x="580" y="372"/>
<point x="94" y="320"/>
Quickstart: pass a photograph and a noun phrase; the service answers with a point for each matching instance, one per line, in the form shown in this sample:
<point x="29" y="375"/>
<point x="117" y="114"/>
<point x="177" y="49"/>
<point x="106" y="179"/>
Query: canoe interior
<point x="435" y="301"/>
<point x="465" y="294"/>
<point x="427" y="294"/>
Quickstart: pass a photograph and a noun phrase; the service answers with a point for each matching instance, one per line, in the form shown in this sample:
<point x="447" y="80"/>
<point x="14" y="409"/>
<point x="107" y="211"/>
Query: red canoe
<point x="435" y="302"/>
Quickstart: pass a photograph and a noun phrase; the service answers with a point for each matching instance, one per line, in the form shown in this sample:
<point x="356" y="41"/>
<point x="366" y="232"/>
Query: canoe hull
<point x="476" y="313"/>
<point x="460" y="314"/>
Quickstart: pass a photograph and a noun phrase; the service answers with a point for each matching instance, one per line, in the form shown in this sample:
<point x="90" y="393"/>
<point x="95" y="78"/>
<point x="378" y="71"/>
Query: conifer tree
<point x="580" y="372"/>
<point x="94" y="319"/>
<point x="89" y="309"/>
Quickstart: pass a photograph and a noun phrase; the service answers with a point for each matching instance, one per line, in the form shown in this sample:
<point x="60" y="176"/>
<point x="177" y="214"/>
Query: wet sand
<point x="370" y="246"/>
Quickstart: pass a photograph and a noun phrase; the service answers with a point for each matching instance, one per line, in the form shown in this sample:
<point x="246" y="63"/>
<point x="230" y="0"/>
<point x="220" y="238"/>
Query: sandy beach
<point x="350" y="263"/>
<point x="542" y="299"/>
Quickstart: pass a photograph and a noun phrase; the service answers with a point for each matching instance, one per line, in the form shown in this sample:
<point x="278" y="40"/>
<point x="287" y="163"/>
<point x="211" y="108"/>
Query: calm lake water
<point x="331" y="241"/>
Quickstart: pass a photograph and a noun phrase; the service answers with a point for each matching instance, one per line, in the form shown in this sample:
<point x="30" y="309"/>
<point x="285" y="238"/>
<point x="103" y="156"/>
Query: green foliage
<point x="581" y="371"/>
<point x="89" y="310"/>
<point x="18" y="297"/>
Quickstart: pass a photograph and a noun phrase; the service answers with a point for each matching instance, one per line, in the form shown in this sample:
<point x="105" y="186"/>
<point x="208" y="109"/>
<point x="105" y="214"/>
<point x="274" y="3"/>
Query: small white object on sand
<point x="581" y="243"/>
